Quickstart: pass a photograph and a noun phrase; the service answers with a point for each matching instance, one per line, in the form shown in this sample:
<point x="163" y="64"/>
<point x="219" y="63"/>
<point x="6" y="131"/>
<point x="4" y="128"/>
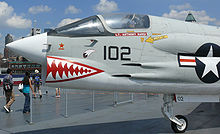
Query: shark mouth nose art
<point x="59" y="70"/>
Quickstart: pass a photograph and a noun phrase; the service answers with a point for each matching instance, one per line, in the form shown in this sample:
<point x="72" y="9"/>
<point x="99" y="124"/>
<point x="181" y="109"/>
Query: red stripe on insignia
<point x="187" y="60"/>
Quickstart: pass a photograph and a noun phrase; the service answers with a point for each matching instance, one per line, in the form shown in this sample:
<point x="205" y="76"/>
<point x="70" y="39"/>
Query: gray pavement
<point x="140" y="117"/>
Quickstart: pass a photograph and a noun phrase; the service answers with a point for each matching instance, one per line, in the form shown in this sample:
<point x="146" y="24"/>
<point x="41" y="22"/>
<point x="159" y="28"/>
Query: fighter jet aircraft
<point x="131" y="52"/>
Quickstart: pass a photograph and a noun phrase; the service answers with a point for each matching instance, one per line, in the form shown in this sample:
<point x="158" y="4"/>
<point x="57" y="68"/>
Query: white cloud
<point x="0" y="35"/>
<point x="106" y="6"/>
<point x="200" y="16"/>
<point x="19" y="22"/>
<point x="5" y="10"/>
<point x="8" y="18"/>
<point x="67" y="21"/>
<point x="180" y="12"/>
<point x="39" y="9"/>
<point x="180" y="7"/>
<point x="72" y="10"/>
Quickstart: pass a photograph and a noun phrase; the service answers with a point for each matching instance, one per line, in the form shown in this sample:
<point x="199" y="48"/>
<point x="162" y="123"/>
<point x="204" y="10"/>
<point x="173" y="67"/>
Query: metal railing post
<point x="93" y="101"/>
<point x="115" y="98"/>
<point x="31" y="110"/>
<point x="122" y="102"/>
<point x="132" y="97"/>
<point x="66" y="114"/>
<point x="146" y="95"/>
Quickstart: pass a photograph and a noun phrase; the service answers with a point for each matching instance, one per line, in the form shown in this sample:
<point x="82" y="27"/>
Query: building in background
<point x="8" y="53"/>
<point x="20" y="67"/>
<point x="17" y="63"/>
<point x="35" y="31"/>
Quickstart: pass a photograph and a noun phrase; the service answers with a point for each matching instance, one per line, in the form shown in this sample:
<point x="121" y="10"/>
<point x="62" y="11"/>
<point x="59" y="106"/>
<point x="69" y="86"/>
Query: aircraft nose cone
<point x="31" y="48"/>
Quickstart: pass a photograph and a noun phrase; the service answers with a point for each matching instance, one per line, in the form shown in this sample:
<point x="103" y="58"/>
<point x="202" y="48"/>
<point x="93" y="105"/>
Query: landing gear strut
<point x="178" y="123"/>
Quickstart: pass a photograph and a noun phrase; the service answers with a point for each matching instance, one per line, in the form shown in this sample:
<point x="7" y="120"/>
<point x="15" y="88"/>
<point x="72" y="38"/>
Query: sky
<point x="17" y="17"/>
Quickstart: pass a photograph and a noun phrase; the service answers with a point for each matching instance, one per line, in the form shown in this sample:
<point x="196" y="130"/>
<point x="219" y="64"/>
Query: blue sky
<point x="17" y="16"/>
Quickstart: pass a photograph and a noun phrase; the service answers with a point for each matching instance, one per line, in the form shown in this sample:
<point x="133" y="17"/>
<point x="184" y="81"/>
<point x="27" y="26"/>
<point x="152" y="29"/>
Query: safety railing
<point x="93" y="100"/>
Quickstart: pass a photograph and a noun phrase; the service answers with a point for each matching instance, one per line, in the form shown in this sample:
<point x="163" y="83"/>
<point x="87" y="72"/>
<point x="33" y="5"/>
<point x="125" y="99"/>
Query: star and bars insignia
<point x="206" y="62"/>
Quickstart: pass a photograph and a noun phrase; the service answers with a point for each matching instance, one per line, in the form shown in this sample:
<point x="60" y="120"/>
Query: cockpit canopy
<point x="127" y="21"/>
<point x="93" y="26"/>
<point x="85" y="27"/>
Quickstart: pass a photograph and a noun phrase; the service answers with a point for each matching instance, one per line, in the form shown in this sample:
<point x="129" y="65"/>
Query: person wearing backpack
<point x="37" y="81"/>
<point x="8" y="88"/>
<point x="26" y="91"/>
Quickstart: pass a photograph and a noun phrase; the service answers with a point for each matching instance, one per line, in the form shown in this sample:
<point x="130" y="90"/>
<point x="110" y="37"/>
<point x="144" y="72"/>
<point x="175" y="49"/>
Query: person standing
<point x="57" y="92"/>
<point x="37" y="80"/>
<point x="26" y="91"/>
<point x="8" y="88"/>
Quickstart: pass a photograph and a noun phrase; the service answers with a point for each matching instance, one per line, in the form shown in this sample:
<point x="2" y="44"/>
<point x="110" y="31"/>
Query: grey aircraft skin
<point x="131" y="52"/>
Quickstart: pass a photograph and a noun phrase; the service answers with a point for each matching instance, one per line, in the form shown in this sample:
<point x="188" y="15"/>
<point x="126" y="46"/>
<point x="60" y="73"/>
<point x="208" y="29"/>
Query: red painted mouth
<point x="60" y="70"/>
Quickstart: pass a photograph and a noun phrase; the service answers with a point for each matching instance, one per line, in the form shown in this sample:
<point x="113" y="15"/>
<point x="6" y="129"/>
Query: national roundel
<point x="206" y="61"/>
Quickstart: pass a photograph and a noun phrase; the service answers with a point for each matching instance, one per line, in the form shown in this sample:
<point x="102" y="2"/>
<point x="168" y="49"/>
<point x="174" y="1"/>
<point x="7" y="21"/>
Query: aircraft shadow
<point x="150" y="126"/>
<point x="205" y="116"/>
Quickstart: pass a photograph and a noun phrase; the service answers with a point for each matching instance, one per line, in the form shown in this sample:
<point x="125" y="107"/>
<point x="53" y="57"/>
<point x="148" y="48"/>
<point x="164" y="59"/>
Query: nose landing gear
<point x="179" y="123"/>
<point x="177" y="128"/>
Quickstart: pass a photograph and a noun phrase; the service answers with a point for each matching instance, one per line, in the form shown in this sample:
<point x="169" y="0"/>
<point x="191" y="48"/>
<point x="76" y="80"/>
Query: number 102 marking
<point x="112" y="53"/>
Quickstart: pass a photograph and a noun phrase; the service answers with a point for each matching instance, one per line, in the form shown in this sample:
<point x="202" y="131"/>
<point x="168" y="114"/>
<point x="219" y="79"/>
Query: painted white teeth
<point x="57" y="71"/>
<point x="49" y="61"/>
<point x="63" y="63"/>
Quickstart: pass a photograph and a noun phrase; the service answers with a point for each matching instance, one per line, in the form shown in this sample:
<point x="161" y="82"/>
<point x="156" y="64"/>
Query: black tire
<point x="176" y="128"/>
